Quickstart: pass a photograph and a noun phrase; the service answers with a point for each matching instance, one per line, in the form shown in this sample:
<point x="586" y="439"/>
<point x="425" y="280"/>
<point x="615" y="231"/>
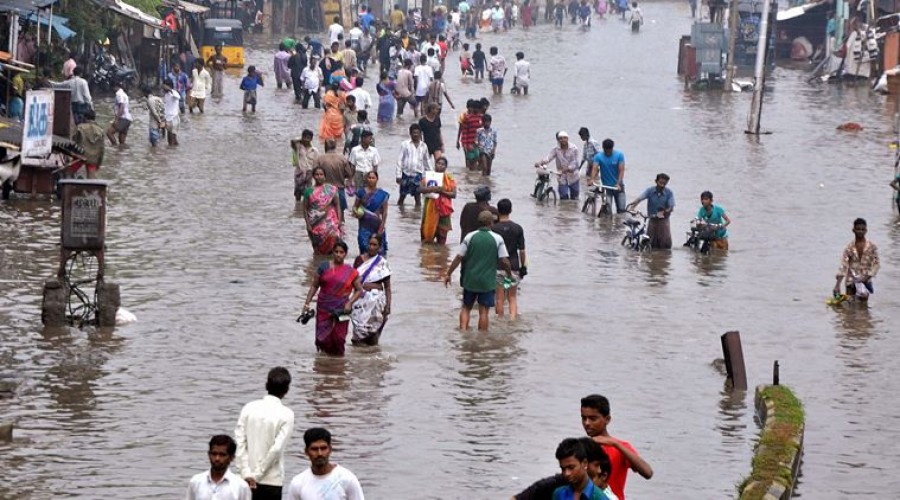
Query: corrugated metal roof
<point x="190" y="8"/>
<point x="23" y="7"/>
<point x="129" y="11"/>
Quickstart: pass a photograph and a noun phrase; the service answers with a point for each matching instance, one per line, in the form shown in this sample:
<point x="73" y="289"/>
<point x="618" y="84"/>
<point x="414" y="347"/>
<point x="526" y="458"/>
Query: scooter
<point x="636" y="237"/>
<point x="700" y="235"/>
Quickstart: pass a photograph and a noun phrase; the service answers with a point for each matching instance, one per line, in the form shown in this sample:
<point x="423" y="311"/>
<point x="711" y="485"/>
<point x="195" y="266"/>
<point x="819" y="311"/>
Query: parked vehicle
<point x="108" y="74"/>
<point x="229" y="33"/>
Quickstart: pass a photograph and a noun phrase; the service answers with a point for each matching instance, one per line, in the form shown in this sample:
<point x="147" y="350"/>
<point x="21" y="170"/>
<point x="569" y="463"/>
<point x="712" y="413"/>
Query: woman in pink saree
<point x="338" y="286"/>
<point x="323" y="220"/>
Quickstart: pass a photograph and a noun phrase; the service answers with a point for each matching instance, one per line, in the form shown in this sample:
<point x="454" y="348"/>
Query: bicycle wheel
<point x="644" y="246"/>
<point x="626" y="241"/>
<point x="82" y="279"/>
<point x="550" y="195"/>
<point x="588" y="205"/>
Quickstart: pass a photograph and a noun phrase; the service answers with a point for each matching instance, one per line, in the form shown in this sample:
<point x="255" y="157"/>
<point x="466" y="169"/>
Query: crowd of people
<point x="410" y="53"/>
<point x="261" y="437"/>
<point x="593" y="467"/>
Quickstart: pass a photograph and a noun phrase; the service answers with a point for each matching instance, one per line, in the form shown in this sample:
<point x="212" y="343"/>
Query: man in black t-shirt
<point x="514" y="237"/>
<point x="468" y="217"/>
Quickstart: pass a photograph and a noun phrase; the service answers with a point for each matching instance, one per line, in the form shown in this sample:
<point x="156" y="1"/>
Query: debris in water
<point x="850" y="127"/>
<point x="124" y="317"/>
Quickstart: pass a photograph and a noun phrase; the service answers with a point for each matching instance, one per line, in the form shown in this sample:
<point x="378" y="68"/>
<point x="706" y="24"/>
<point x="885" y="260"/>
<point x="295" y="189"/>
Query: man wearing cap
<point x="567" y="164"/>
<point x="468" y="217"/>
<point x="482" y="252"/>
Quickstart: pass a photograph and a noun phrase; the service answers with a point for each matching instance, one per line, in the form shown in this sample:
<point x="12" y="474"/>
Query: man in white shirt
<point x="355" y="34"/>
<point x="414" y="160"/>
<point x="122" y="119"/>
<point x="364" y="158"/>
<point x="172" y="106"/>
<point x="323" y="480"/>
<point x="81" y="93"/>
<point x="423" y="76"/>
<point x="261" y="433"/>
<point x="335" y="30"/>
<point x="219" y="483"/>
<point x="311" y="78"/>
<point x="363" y="97"/>
<point x="522" y="74"/>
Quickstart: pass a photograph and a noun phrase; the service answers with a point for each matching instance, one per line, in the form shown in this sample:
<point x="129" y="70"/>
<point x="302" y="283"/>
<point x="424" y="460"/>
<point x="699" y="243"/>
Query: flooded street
<point x="213" y="259"/>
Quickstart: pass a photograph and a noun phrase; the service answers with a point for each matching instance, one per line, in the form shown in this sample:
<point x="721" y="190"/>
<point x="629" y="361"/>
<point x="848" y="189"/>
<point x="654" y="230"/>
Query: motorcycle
<point x="107" y="74"/>
<point x="700" y="235"/>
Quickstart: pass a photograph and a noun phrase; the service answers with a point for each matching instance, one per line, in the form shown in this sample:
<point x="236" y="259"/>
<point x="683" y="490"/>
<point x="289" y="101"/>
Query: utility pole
<point x="760" y="73"/>
<point x="732" y="35"/>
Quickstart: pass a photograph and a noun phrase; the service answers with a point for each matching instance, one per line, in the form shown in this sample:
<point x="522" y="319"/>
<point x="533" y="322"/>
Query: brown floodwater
<point x="213" y="258"/>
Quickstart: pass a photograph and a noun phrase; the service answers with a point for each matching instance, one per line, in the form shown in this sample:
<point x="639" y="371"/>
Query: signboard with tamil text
<point x="37" y="130"/>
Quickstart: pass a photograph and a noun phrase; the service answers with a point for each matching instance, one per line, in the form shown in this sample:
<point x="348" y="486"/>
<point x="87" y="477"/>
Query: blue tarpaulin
<point x="59" y="24"/>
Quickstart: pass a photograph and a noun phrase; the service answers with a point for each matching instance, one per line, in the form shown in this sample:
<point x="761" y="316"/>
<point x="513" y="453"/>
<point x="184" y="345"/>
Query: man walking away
<point x="483" y="252"/>
<point x="514" y="238"/>
<point x="122" y="119"/>
<point x="157" y="109"/>
<point x="219" y="483"/>
<point x="323" y="480"/>
<point x="90" y="137"/>
<point x="171" y="102"/>
<point x="261" y="433"/>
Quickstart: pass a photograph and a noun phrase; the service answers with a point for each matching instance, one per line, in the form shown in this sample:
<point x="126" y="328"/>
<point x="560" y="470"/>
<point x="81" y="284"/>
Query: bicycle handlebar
<point x="637" y="212"/>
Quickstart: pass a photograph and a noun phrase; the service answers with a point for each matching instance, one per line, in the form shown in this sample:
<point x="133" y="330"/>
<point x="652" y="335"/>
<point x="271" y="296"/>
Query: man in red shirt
<point x="469" y="123"/>
<point x="595" y="418"/>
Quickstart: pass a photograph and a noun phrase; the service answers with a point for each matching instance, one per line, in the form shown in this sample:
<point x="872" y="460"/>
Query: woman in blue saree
<point x="371" y="210"/>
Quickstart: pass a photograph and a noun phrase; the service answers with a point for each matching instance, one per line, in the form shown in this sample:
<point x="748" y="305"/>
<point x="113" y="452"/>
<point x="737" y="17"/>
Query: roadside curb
<point x="776" y="461"/>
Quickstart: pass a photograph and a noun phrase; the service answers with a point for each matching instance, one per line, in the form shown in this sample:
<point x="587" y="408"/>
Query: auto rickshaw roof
<point x="223" y="23"/>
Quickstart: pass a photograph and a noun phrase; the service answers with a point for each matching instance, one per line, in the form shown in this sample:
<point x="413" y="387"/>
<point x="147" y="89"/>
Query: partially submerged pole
<point x="732" y="35"/>
<point x="760" y="71"/>
<point x="734" y="360"/>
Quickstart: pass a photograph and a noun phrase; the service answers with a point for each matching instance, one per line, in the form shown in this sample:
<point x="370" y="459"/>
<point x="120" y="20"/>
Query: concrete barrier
<point x="776" y="461"/>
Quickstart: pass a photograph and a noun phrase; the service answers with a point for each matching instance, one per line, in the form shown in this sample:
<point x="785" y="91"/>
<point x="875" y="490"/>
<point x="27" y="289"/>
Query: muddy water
<point x="212" y="257"/>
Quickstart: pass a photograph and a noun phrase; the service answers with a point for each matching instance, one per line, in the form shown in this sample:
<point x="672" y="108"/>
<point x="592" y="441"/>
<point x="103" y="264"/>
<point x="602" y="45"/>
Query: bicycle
<point x="636" y="237"/>
<point x="83" y="277"/>
<point x="701" y="234"/>
<point x="543" y="190"/>
<point x="595" y="192"/>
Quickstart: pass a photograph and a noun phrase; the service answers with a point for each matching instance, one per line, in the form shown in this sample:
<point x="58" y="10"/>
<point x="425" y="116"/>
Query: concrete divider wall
<point x="776" y="461"/>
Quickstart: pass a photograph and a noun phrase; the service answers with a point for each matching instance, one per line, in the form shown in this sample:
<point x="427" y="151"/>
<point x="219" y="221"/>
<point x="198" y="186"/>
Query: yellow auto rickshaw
<point x="229" y="33"/>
